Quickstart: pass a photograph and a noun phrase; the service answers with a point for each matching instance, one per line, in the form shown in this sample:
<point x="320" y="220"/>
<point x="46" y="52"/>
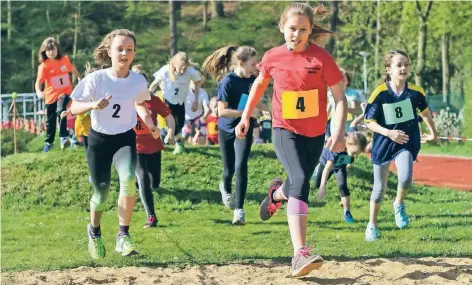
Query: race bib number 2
<point x="300" y="104"/>
<point x="396" y="113"/>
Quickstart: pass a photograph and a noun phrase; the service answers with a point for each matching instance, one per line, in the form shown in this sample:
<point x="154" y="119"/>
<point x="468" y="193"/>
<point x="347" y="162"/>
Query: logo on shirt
<point x="63" y="68"/>
<point x="312" y="70"/>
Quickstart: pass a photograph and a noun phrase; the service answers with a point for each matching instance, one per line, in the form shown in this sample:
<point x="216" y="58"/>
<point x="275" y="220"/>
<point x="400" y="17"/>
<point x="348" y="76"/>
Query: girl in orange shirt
<point x="53" y="72"/>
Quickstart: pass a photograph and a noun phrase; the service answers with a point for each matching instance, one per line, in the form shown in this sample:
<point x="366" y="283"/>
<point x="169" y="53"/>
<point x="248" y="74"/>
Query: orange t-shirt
<point x="55" y="76"/>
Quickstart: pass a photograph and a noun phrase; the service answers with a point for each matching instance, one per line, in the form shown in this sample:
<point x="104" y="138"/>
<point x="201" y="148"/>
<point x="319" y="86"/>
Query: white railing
<point x="27" y="104"/>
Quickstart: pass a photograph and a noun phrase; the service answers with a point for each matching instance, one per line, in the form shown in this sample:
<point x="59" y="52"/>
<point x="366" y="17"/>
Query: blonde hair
<point x="48" y="44"/>
<point x="101" y="56"/>
<point x="318" y="34"/>
<point x="180" y="56"/>
<point x="89" y="69"/>
<point x="138" y="68"/>
<point x="388" y="61"/>
<point x="225" y="59"/>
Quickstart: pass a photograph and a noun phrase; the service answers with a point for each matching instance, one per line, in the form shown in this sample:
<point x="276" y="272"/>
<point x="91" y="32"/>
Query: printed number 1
<point x="301" y="104"/>
<point x="398" y="112"/>
<point x="62" y="83"/>
<point x="176" y="91"/>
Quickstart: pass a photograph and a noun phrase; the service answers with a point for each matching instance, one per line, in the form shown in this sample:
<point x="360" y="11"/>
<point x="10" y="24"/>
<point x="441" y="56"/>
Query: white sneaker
<point x="371" y="233"/>
<point x="226" y="197"/>
<point x="239" y="217"/>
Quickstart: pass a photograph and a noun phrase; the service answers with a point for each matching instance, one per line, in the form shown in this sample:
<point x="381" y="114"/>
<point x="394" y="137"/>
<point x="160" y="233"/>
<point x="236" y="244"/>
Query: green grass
<point x="448" y="148"/>
<point x="45" y="200"/>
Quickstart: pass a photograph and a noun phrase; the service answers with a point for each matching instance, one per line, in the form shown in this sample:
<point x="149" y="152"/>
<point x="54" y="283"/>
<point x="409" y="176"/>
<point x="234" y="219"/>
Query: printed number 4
<point x="301" y="104"/>
<point x="398" y="112"/>
<point x="176" y="91"/>
<point x="117" y="109"/>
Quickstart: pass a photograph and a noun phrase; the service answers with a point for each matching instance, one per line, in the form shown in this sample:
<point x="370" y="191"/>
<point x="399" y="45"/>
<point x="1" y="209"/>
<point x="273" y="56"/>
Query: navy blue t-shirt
<point x="234" y="90"/>
<point x="395" y="113"/>
<point x="339" y="159"/>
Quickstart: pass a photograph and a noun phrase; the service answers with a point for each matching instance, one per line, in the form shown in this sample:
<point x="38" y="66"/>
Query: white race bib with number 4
<point x="396" y="113"/>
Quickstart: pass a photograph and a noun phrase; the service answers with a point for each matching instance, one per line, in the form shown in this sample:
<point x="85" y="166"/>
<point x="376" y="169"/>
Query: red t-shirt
<point x="311" y="72"/>
<point x="212" y="126"/>
<point x="55" y="76"/>
<point x="145" y="143"/>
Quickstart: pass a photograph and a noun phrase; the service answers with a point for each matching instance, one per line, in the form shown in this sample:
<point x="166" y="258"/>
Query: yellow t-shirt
<point x="82" y="125"/>
<point x="161" y="122"/>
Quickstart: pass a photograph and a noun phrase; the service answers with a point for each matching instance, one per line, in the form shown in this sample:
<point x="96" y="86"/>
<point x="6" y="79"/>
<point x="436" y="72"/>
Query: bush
<point x="447" y="123"/>
<point x="22" y="139"/>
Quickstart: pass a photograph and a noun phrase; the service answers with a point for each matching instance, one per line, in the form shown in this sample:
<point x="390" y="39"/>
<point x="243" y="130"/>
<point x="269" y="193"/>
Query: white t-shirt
<point x="120" y="115"/>
<point x="176" y="91"/>
<point x="202" y="100"/>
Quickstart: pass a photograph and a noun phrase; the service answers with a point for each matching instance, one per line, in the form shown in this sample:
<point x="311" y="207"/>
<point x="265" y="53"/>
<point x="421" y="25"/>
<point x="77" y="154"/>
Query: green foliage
<point x="22" y="140"/>
<point x="45" y="200"/>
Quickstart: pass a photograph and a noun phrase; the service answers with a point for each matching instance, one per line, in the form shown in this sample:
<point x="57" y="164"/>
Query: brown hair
<point x="101" y="51"/>
<point x="89" y="69"/>
<point x="48" y="44"/>
<point x="357" y="138"/>
<point x="223" y="60"/>
<point x="318" y="34"/>
<point x="388" y="61"/>
<point x="138" y="68"/>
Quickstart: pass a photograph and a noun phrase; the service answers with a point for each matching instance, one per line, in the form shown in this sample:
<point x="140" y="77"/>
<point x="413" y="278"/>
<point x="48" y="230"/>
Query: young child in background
<point x="212" y="123"/>
<point x="266" y="127"/>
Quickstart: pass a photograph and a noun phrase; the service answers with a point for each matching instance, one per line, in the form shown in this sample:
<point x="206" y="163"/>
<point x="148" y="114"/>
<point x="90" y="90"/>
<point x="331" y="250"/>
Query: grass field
<point x="45" y="199"/>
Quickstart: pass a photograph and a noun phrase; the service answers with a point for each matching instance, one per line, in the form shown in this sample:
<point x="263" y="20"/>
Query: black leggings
<point x="148" y="177"/>
<point x="341" y="178"/>
<point x="235" y="155"/>
<point x="178" y="112"/>
<point x="53" y="114"/>
<point x="299" y="156"/>
<point x="104" y="150"/>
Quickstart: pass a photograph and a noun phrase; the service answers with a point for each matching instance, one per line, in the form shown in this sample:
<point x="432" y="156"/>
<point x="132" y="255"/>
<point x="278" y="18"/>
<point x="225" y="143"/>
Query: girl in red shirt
<point x="53" y="72"/>
<point x="301" y="71"/>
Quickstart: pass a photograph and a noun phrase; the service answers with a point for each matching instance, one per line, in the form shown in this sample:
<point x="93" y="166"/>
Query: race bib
<point x="342" y="159"/>
<point x="300" y="104"/>
<point x="242" y="102"/>
<point x="212" y="128"/>
<point x="266" y="125"/>
<point x="141" y="128"/>
<point x="60" y="81"/>
<point x="396" y="113"/>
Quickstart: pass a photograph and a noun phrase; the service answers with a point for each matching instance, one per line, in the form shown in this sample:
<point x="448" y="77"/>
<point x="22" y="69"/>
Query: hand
<point x="195" y="106"/>
<point x="425" y="138"/>
<point x="203" y="120"/>
<point x="242" y="128"/>
<point x="102" y="103"/>
<point x="155" y="132"/>
<point x="336" y="144"/>
<point x="64" y="114"/>
<point x="169" y="139"/>
<point x="398" y="136"/>
<point x="40" y="95"/>
<point x="321" y="193"/>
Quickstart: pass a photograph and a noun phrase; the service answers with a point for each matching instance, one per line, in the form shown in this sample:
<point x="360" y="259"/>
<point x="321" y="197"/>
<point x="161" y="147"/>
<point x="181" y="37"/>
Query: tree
<point x="217" y="9"/>
<point x="377" y="42"/>
<point x="422" y="33"/>
<point x="173" y="28"/>
<point x="76" y="33"/>
<point x="9" y="22"/>
<point x="333" y="20"/>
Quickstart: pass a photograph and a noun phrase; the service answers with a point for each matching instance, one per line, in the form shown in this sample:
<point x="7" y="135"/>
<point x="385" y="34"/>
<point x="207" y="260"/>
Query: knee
<point x="128" y="186"/>
<point x="344" y="190"/>
<point x="378" y="193"/>
<point x="297" y="207"/>
<point x="228" y="171"/>
<point x="99" y="198"/>
<point x="405" y="181"/>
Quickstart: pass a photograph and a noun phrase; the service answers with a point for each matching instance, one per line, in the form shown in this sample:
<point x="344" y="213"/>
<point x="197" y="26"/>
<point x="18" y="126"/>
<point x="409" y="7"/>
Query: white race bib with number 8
<point x="396" y="113"/>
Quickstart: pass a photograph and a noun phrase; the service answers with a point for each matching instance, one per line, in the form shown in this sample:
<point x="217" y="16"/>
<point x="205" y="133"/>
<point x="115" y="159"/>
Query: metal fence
<point x="28" y="106"/>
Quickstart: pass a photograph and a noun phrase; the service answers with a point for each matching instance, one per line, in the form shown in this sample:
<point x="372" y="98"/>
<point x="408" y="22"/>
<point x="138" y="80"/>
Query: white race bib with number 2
<point x="396" y="113"/>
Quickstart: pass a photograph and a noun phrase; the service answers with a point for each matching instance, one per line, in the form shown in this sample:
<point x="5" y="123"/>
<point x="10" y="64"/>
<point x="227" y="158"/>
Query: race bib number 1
<point x="300" y="104"/>
<point x="60" y="81"/>
<point x="396" y="113"/>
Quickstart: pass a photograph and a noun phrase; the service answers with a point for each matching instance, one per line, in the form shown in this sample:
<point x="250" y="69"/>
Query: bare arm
<point x="37" y="87"/>
<point x="154" y="85"/>
<point x="428" y="120"/>
<point x="170" y="122"/>
<point x="324" y="176"/>
<point x="224" y="111"/>
<point x="395" y="135"/>
<point x="79" y="107"/>
<point x="337" y="140"/>
<point x="75" y="72"/>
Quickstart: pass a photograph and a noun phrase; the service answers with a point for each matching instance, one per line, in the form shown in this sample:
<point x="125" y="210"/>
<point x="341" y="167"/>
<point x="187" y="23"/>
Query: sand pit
<point x="382" y="271"/>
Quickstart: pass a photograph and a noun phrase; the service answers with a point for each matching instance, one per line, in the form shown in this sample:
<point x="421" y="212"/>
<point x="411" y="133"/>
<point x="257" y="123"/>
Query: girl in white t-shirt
<point x="194" y="128"/>
<point x="113" y="95"/>
<point x="174" y="79"/>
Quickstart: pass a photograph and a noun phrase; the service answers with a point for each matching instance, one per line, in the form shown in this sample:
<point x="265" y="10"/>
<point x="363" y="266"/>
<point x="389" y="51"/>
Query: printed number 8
<point x="398" y="112"/>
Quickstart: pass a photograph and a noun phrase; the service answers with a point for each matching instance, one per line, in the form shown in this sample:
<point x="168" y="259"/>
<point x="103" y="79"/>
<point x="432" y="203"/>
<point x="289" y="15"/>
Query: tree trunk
<point x="178" y="10"/>
<point x="76" y="33"/>
<point x="423" y="29"/>
<point x="33" y="70"/>
<point x="205" y="14"/>
<point x="173" y="28"/>
<point x="333" y="21"/>
<point x="377" y="42"/>
<point x="217" y="9"/>
<point x="9" y="22"/>
<point x="445" y="67"/>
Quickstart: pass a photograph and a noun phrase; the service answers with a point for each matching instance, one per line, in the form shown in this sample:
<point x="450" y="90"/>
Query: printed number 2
<point x="398" y="112"/>
<point x="176" y="91"/>
<point x="301" y="104"/>
<point x="118" y="108"/>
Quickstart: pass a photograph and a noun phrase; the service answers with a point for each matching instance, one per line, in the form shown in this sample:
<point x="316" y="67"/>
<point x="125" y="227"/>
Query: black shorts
<point x="178" y="112"/>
